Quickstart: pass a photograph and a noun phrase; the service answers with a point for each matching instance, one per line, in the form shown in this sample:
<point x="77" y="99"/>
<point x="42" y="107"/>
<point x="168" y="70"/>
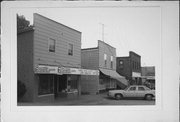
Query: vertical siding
<point x="25" y="62"/>
<point x="45" y="29"/>
<point x="89" y="59"/>
<point x="110" y="51"/>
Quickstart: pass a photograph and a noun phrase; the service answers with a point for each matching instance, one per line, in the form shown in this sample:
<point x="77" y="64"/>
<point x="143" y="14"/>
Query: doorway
<point x="60" y="85"/>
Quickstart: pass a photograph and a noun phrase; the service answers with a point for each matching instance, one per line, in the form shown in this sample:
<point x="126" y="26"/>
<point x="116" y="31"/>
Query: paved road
<point x="100" y="99"/>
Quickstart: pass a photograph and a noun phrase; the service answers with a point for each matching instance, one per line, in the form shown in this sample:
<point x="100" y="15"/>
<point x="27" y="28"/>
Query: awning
<point x="114" y="75"/>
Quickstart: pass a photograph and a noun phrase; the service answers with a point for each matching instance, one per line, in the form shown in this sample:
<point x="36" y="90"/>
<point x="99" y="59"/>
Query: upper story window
<point x="121" y="63"/>
<point x="70" y="49"/>
<point x="105" y="60"/>
<point x="51" y="45"/>
<point x="111" y="61"/>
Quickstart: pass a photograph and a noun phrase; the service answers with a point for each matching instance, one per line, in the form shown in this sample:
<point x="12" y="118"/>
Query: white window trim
<point x="49" y="44"/>
<point x="72" y="49"/>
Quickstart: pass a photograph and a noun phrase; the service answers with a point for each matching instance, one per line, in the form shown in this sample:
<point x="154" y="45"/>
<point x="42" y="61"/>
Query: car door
<point x="140" y="91"/>
<point x="130" y="92"/>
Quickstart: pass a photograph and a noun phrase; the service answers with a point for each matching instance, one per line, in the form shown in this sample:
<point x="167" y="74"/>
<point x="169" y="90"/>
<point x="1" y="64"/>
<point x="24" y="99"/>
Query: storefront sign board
<point x="42" y="69"/>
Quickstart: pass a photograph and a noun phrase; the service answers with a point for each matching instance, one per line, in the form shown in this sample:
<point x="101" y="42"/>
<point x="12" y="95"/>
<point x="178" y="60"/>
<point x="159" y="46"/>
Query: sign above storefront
<point x="43" y="69"/>
<point x="66" y="70"/>
<point x="136" y="74"/>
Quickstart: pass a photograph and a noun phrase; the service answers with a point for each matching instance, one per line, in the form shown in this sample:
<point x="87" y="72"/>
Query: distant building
<point x="102" y="58"/>
<point x="49" y="60"/>
<point x="148" y="76"/>
<point x="130" y="67"/>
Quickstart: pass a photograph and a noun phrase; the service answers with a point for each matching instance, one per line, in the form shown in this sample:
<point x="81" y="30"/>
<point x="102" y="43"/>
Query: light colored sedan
<point x="134" y="91"/>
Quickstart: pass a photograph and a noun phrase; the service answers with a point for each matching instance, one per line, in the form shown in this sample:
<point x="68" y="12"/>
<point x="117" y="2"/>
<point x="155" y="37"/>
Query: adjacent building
<point x="130" y="67"/>
<point x="102" y="58"/>
<point x="148" y="76"/>
<point x="49" y="60"/>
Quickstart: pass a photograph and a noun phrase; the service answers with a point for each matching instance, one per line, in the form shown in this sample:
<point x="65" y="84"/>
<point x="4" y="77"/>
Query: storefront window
<point x="72" y="83"/>
<point x="45" y="84"/>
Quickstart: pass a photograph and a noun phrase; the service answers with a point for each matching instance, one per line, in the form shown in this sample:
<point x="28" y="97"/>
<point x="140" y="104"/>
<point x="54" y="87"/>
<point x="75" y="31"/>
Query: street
<point x="100" y="99"/>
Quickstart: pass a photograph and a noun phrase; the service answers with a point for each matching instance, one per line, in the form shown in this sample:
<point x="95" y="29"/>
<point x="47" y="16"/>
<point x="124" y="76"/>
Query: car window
<point x="147" y="88"/>
<point x="132" y="89"/>
<point x="141" y="89"/>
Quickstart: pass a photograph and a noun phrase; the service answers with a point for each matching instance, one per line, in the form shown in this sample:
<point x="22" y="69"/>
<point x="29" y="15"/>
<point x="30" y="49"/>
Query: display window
<point x="72" y="83"/>
<point x="45" y="84"/>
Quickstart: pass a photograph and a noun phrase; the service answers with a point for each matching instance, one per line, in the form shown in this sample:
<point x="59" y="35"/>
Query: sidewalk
<point x="80" y="100"/>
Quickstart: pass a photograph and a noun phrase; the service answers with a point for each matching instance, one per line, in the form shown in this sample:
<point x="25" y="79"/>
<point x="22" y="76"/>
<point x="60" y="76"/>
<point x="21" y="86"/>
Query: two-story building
<point x="130" y="67"/>
<point x="102" y="58"/>
<point x="49" y="60"/>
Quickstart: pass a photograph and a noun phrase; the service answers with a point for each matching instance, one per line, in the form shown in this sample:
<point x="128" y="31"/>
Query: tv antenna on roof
<point x="102" y="31"/>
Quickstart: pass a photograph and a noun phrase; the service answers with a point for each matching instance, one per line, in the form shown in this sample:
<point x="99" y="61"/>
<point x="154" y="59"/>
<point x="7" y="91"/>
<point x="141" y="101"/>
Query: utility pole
<point x="102" y="31"/>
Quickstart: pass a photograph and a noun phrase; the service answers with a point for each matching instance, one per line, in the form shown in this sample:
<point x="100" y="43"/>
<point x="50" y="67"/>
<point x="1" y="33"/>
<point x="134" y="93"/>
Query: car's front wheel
<point x="118" y="96"/>
<point x="148" y="97"/>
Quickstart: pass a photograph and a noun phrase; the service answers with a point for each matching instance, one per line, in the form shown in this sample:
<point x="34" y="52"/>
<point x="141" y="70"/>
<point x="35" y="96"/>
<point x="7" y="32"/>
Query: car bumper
<point x="110" y="95"/>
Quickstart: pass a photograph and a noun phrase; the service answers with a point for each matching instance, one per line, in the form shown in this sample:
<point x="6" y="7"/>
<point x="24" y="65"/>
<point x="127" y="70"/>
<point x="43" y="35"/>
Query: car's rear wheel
<point x="118" y="96"/>
<point x="148" y="97"/>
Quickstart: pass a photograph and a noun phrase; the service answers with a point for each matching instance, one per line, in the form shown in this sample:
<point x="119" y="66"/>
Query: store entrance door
<point x="62" y="85"/>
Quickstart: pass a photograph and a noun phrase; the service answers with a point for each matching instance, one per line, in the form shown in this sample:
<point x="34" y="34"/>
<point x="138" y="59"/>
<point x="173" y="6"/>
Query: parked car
<point x="134" y="91"/>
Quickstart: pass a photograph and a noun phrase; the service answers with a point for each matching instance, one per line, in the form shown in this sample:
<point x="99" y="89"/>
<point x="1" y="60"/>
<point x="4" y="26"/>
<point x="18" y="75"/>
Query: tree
<point x="22" y="23"/>
<point x="21" y="90"/>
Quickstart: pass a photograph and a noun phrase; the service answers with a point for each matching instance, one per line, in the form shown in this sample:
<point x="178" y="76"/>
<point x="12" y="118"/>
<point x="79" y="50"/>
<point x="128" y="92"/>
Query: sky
<point x="127" y="29"/>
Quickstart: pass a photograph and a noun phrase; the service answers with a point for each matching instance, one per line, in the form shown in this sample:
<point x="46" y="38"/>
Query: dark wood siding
<point x="125" y="68"/>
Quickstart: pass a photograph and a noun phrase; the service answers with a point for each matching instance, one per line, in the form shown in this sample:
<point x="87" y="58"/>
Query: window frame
<point x="111" y="62"/>
<point x="105" y="59"/>
<point x="121" y="65"/>
<point x="49" y="45"/>
<point x="70" y="49"/>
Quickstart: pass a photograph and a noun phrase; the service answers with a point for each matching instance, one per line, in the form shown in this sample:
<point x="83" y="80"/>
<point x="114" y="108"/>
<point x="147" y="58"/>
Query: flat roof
<point x="57" y="22"/>
<point x="123" y="57"/>
<point x="89" y="48"/>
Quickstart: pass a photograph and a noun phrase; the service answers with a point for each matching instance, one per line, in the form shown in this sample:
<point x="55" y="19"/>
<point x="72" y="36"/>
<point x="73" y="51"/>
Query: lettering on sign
<point x="41" y="69"/>
<point x="46" y="69"/>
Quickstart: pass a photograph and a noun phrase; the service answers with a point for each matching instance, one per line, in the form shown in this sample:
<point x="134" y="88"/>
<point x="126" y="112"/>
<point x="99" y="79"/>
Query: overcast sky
<point x="125" y="28"/>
